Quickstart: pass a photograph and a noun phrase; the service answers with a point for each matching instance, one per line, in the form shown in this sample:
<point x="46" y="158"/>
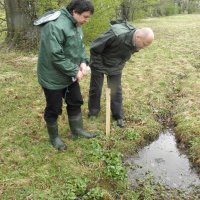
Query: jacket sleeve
<point x="98" y="46"/>
<point x="54" y="49"/>
<point x="84" y="58"/>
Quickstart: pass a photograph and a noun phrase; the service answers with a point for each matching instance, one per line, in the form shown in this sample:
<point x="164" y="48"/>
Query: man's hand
<point x="79" y="75"/>
<point x="84" y="69"/>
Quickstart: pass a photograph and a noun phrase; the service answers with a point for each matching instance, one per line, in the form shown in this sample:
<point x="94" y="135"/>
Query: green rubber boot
<point x="54" y="137"/>
<point x="76" y="126"/>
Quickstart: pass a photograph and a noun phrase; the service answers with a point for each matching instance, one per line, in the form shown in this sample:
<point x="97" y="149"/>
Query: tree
<point x="133" y="9"/>
<point x="19" y="17"/>
<point x="193" y="6"/>
<point x="2" y="18"/>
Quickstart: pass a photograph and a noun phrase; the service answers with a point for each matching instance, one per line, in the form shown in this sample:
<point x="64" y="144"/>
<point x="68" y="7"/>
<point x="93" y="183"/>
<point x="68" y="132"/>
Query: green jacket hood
<point x="120" y="27"/>
<point x="111" y="50"/>
<point x="65" y="12"/>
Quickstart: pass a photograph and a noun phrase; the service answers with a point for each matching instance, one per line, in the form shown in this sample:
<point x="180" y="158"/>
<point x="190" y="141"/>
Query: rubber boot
<point x="54" y="137"/>
<point x="76" y="126"/>
<point x="120" y="123"/>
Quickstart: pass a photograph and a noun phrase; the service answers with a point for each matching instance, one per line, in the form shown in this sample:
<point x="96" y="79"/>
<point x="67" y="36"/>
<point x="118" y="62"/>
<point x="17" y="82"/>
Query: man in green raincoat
<point x="62" y="63"/>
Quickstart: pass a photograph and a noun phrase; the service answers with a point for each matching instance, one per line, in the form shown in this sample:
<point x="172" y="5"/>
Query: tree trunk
<point x="125" y="10"/>
<point x="20" y="30"/>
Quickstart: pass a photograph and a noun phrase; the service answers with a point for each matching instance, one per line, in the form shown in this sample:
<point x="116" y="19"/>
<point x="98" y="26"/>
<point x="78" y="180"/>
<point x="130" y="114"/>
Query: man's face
<point x="143" y="38"/>
<point x="141" y="43"/>
<point x="81" y="18"/>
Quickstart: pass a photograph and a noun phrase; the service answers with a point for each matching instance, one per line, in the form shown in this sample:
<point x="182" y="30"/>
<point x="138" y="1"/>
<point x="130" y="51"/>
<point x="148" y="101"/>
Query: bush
<point x="105" y="10"/>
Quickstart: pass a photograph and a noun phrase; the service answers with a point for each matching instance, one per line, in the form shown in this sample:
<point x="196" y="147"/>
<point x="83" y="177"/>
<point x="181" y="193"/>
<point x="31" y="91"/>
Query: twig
<point x="2" y="19"/>
<point x="2" y="4"/>
<point x="3" y="30"/>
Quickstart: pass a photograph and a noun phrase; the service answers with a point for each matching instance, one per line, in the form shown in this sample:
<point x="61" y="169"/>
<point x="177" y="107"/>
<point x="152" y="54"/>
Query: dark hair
<point x="80" y="6"/>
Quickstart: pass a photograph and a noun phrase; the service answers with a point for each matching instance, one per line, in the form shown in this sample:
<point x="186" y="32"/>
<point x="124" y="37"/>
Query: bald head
<point x="143" y="37"/>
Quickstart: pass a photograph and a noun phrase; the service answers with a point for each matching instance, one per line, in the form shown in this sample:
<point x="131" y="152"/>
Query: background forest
<point x="19" y="15"/>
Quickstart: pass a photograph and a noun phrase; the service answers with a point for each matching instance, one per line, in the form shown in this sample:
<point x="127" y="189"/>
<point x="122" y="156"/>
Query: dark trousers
<point x="54" y="100"/>
<point x="96" y="84"/>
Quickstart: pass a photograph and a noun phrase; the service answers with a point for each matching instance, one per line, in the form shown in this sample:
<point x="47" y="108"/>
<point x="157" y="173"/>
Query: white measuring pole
<point x="107" y="111"/>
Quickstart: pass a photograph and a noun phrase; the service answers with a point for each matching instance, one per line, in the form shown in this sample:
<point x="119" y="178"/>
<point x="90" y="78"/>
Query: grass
<point x="160" y="84"/>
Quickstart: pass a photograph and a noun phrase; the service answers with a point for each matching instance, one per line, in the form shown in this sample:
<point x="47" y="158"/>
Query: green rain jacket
<point x="109" y="52"/>
<point x="61" y="52"/>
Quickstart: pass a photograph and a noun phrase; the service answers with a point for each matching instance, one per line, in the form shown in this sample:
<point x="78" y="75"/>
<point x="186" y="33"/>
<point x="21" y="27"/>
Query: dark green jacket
<point x="61" y="52"/>
<point x="109" y="52"/>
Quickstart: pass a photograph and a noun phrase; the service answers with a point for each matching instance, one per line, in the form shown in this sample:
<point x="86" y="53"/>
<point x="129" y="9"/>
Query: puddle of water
<point x="165" y="163"/>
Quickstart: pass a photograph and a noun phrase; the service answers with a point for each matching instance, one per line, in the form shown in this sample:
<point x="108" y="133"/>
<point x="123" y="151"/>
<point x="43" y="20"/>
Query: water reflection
<point x="165" y="162"/>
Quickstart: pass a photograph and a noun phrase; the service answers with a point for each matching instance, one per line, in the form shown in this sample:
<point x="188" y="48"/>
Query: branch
<point x="3" y="30"/>
<point x="2" y="19"/>
<point x="2" y="4"/>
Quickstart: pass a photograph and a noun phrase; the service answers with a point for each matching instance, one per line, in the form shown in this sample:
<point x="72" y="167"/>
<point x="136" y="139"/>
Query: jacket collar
<point x="129" y="40"/>
<point x="65" y="12"/>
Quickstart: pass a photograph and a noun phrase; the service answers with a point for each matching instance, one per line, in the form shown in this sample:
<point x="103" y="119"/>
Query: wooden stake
<point x="107" y="111"/>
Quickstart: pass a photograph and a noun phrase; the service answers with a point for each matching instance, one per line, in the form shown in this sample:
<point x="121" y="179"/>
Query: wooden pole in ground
<point x="107" y="111"/>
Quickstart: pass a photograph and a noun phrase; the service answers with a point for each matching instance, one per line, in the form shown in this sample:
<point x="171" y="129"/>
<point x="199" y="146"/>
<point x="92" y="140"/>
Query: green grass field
<point x="160" y="84"/>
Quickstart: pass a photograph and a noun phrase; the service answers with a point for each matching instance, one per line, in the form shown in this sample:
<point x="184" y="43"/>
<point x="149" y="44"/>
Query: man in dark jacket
<point x="109" y="54"/>
<point x="62" y="64"/>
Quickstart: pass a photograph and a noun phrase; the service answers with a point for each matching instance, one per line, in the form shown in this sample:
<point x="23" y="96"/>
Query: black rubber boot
<point x="120" y="123"/>
<point x="76" y="126"/>
<point x="54" y="137"/>
<point x="93" y="113"/>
